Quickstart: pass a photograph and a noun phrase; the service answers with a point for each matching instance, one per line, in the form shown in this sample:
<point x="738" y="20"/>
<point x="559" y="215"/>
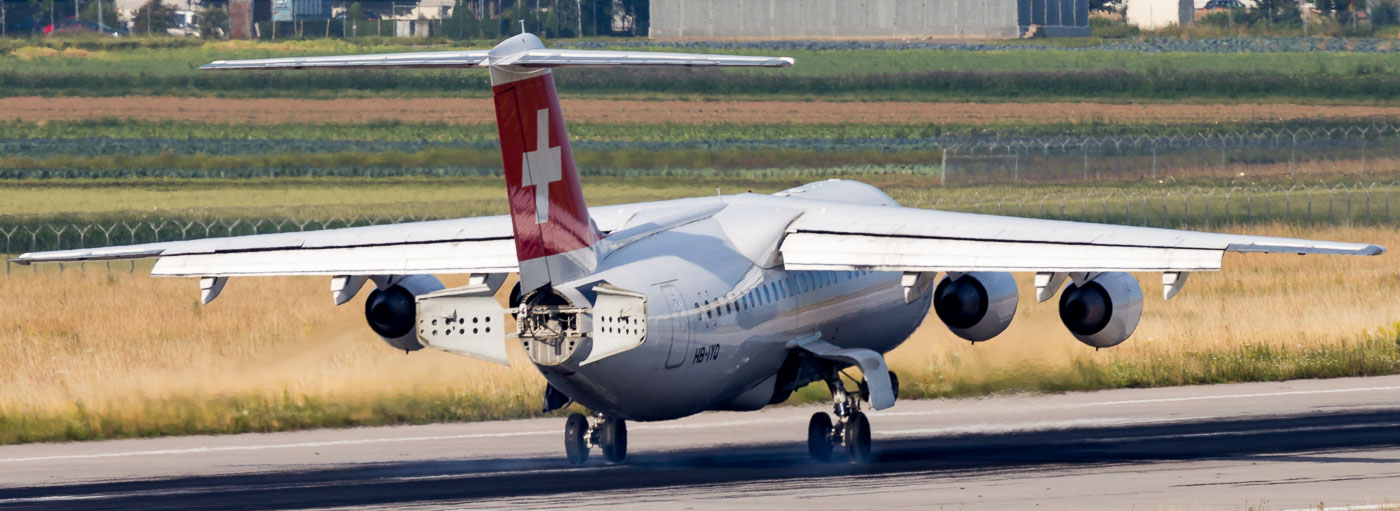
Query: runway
<point x="1289" y="445"/>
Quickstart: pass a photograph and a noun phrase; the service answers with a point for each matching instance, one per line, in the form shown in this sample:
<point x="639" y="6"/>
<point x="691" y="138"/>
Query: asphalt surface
<point x="1299" y="444"/>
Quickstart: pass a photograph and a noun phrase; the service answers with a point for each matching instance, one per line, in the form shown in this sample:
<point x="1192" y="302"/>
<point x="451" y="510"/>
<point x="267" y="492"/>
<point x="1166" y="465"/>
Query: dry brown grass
<point x="115" y="343"/>
<point x="1277" y="300"/>
<point x="479" y="111"/>
<point x="119" y="349"/>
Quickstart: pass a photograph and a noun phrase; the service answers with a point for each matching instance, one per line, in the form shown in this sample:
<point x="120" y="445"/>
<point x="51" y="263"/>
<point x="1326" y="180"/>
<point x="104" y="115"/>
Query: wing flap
<point x="480" y="256"/>
<point x="838" y="252"/>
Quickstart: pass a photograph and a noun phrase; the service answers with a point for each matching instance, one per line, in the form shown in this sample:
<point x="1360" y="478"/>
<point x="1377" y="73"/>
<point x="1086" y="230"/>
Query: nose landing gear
<point x="852" y="428"/>
<point x="581" y="434"/>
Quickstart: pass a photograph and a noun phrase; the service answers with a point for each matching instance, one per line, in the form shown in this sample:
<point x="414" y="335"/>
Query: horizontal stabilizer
<point x="415" y="60"/>
<point x="535" y="58"/>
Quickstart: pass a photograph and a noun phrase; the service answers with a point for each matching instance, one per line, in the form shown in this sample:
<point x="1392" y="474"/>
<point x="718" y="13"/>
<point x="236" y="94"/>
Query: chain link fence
<point x="1204" y="208"/>
<point x="1282" y="151"/>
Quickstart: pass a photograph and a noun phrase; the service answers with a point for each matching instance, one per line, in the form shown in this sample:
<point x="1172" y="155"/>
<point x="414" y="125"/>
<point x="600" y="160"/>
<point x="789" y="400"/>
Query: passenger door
<point x="679" y="319"/>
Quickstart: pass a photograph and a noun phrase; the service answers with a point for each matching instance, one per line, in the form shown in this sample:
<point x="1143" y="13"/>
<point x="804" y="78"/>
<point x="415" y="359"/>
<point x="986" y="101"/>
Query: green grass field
<point x="1020" y="74"/>
<point x="401" y="131"/>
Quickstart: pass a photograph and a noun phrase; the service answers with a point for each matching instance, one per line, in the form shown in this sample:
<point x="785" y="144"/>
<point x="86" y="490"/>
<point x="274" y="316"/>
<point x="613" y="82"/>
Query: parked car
<point x="70" y="26"/>
<point x="1218" y="5"/>
<point x="368" y="16"/>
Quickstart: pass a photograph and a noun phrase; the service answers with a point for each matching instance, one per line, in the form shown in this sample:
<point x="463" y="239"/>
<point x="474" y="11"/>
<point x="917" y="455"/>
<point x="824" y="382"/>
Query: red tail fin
<point x="553" y="233"/>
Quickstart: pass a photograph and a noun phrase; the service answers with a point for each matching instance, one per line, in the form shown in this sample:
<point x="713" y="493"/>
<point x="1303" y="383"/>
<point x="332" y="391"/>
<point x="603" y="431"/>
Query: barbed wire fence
<point x="1340" y="204"/>
<point x="957" y="160"/>
<point x="1074" y="159"/>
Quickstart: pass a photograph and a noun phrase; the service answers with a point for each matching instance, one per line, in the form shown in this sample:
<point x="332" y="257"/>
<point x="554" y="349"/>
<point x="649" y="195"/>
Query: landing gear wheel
<point x="894" y="384"/>
<point x="819" y="437"/>
<point x="613" y="434"/>
<point x="576" y="438"/>
<point x="858" y="438"/>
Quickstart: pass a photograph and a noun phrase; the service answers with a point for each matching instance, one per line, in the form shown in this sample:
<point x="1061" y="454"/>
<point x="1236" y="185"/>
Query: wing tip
<point x="1372" y="250"/>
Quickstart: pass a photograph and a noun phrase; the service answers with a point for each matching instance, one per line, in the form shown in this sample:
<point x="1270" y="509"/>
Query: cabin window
<point x="709" y="313"/>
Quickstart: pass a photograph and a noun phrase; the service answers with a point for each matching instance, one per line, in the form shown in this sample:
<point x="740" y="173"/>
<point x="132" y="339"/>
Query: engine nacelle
<point x="392" y="312"/>
<point x="1104" y="311"/>
<point x="976" y="306"/>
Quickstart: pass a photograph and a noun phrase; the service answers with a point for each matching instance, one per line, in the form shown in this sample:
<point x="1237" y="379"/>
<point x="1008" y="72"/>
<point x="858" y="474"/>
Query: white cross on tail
<point x="542" y="167"/>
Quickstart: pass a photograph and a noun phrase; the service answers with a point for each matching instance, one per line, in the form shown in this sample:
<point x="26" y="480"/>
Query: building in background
<point x="1154" y="14"/>
<point x="865" y="19"/>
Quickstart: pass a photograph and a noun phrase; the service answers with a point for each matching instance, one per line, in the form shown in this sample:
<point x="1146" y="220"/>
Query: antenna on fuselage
<point x="522" y="26"/>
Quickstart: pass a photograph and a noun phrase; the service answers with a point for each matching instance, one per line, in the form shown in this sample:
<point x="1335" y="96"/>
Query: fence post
<point x="1222" y="157"/>
<point x="1293" y="154"/>
<point x="1154" y="159"/>
<point x="943" y="170"/>
<point x="1085" y="148"/>
<point x="1363" y="152"/>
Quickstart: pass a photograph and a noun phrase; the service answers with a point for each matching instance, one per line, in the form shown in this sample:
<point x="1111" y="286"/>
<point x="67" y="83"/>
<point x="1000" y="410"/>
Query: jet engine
<point x="1104" y="311"/>
<point x="391" y="311"/>
<point x="976" y="306"/>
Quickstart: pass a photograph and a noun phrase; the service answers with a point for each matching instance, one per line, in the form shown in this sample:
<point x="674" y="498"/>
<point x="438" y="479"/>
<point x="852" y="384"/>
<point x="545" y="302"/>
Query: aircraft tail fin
<point x="554" y="237"/>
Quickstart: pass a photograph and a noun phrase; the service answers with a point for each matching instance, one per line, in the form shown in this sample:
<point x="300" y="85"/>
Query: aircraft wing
<point x="841" y="236"/>
<point x="466" y="245"/>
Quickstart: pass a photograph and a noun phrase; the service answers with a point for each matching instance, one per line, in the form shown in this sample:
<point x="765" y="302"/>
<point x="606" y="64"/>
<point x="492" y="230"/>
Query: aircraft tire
<point x="614" y="439"/>
<point x="575" y="445"/>
<point x="858" y="438"/>
<point x="819" y="437"/>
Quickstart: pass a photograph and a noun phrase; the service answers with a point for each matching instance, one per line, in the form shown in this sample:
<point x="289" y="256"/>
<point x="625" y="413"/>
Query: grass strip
<point x="156" y="136"/>
<point x="1371" y="355"/>
<point x="1099" y="84"/>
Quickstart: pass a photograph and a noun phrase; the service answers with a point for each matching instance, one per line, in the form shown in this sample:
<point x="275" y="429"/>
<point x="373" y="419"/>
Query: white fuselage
<point x="721" y="311"/>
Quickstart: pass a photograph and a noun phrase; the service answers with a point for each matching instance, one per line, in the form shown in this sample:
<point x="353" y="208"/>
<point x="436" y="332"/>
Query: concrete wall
<point x="794" y="19"/>
<point x="1159" y="13"/>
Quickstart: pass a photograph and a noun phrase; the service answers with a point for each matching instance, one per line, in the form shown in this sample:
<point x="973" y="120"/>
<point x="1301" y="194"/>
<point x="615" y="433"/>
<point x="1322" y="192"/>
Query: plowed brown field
<point x="479" y="111"/>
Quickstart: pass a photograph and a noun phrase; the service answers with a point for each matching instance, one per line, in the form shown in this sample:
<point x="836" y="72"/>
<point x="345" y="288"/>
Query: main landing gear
<point x="852" y="428"/>
<point x="581" y="434"/>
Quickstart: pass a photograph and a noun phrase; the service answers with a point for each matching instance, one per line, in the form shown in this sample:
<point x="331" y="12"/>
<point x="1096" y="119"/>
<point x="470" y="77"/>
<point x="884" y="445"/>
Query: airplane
<point x="659" y="310"/>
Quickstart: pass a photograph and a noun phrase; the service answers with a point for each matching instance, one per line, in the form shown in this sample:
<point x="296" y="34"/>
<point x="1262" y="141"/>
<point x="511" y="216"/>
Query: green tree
<point x="153" y="18"/>
<point x="213" y="23"/>
<point x="1383" y="13"/>
<point x="1277" y="12"/>
<point x="109" y="13"/>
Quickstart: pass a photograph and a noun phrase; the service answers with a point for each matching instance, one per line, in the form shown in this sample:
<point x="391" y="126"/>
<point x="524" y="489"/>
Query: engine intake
<point x="1103" y="312"/>
<point x="392" y="312"/>
<point x="976" y="306"/>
